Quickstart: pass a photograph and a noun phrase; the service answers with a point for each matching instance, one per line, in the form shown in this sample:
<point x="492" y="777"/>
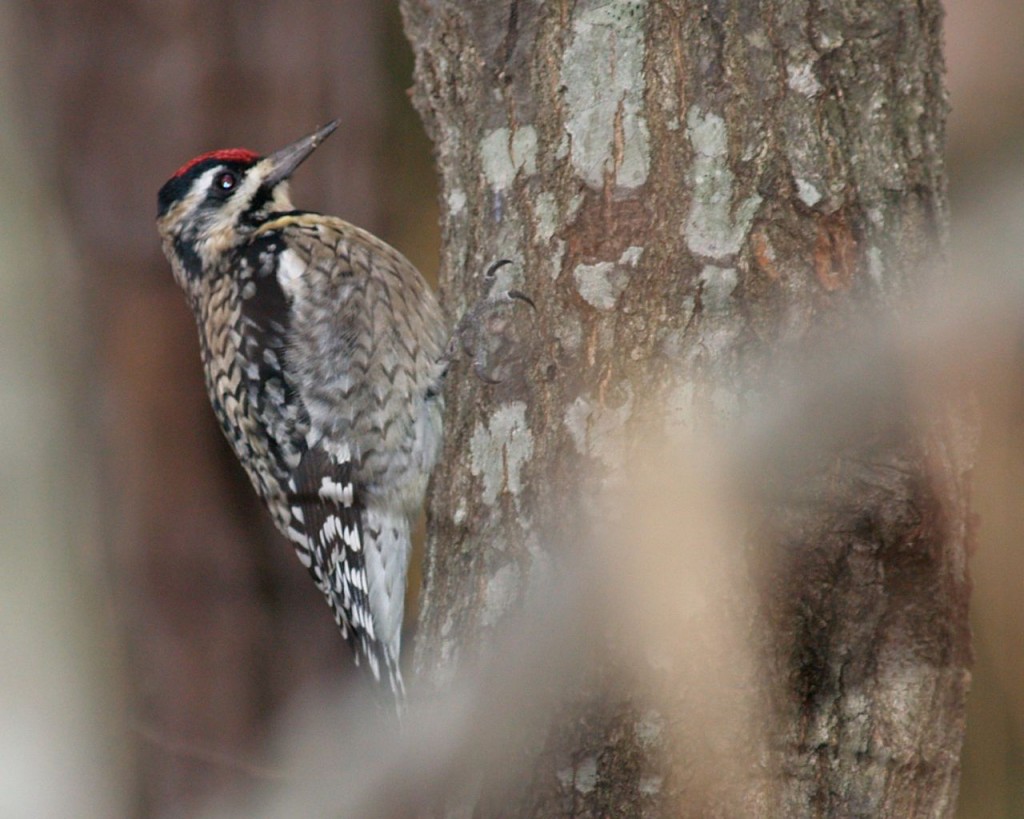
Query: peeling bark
<point x="687" y="191"/>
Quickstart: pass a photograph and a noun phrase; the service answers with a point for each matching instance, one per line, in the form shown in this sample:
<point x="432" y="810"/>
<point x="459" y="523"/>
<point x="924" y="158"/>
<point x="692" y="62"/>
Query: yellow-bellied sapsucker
<point x="323" y="349"/>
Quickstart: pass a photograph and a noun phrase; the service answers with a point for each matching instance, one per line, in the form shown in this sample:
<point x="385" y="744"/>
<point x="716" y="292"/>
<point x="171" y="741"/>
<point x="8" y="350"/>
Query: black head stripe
<point x="173" y="190"/>
<point x="189" y="258"/>
<point x="255" y="211"/>
<point x="177" y="187"/>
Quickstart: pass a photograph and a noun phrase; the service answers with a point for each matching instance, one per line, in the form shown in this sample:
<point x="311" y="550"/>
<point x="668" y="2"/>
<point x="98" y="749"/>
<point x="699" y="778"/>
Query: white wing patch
<point x="333" y="490"/>
<point x="295" y="536"/>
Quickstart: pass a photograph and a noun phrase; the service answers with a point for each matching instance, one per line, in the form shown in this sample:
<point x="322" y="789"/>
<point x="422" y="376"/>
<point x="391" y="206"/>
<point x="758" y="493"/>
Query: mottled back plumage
<point x="322" y="351"/>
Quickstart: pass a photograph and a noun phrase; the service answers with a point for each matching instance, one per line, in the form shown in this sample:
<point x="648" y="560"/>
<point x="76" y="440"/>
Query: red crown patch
<point x="243" y="155"/>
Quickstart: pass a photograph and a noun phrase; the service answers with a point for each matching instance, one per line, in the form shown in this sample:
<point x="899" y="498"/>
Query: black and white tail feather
<point x="332" y="540"/>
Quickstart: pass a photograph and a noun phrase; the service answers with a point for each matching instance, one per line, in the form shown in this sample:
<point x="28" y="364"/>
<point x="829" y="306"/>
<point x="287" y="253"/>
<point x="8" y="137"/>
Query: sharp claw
<point x="481" y="373"/>
<point x="495" y="267"/>
<point x="521" y="296"/>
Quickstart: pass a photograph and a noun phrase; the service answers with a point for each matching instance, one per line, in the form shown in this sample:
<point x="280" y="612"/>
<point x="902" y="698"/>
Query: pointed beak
<point x="285" y="161"/>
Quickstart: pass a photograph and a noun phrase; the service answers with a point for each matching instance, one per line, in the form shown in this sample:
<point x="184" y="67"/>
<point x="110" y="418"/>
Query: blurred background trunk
<point x="221" y="624"/>
<point x="688" y="192"/>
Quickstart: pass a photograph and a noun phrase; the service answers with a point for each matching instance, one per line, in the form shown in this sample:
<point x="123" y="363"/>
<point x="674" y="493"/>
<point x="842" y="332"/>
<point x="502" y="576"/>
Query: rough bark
<point x="688" y="190"/>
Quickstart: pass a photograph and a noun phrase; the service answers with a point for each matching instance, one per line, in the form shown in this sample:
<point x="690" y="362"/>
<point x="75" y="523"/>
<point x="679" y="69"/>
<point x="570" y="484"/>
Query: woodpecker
<point x="323" y="351"/>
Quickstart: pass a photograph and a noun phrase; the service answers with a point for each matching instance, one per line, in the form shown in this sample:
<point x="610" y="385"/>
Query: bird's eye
<point x="226" y="181"/>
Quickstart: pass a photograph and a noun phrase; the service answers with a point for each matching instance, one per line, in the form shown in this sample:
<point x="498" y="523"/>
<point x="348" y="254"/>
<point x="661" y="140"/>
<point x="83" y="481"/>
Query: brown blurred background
<point x="154" y="625"/>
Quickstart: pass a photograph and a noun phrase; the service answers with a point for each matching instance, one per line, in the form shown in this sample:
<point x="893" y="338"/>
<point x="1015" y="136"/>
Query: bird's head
<point x="214" y="201"/>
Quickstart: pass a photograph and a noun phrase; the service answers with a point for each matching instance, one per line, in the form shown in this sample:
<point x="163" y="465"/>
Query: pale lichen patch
<point x="582" y="776"/>
<point x="807" y="192"/>
<point x="876" y="268"/>
<point x="714" y="228"/>
<point x="461" y="513"/>
<point x="800" y="78"/>
<point x="456" y="199"/>
<point x="605" y="107"/>
<point x="586" y="775"/>
<point x="545" y="211"/>
<point x="631" y="255"/>
<point x="557" y="257"/>
<point x="601" y="284"/>
<point x="504" y="153"/>
<point x="499" y="449"/>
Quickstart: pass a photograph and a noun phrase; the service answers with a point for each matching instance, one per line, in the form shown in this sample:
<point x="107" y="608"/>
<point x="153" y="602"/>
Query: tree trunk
<point x="688" y="190"/>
